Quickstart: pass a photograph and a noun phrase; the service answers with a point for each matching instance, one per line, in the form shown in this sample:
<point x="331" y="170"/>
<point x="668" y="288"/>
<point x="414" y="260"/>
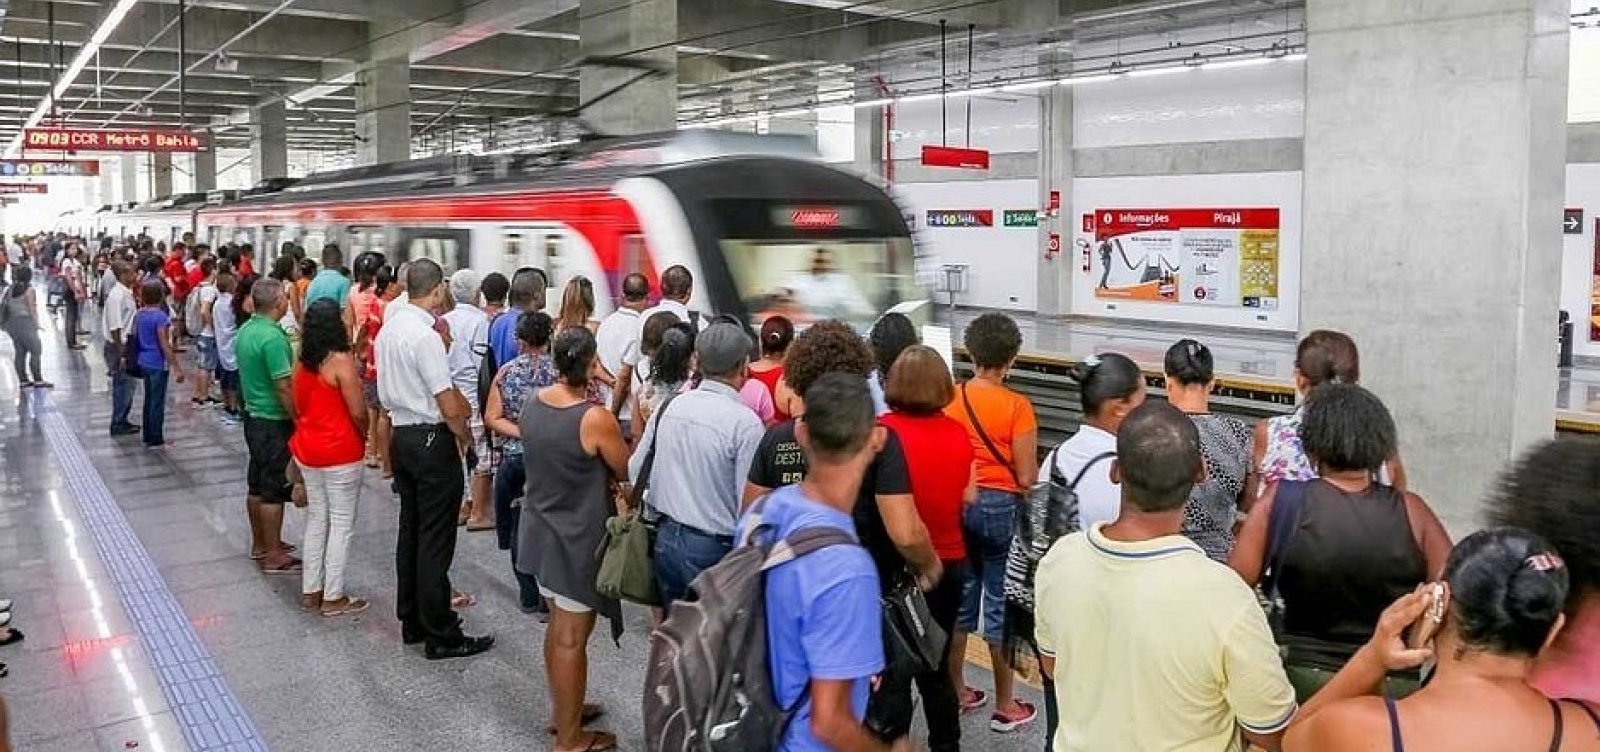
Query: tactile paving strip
<point x="211" y="717"/>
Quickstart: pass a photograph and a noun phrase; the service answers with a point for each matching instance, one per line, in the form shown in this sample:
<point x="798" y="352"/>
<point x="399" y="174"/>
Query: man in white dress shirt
<point x="430" y="438"/>
<point x="618" y="334"/>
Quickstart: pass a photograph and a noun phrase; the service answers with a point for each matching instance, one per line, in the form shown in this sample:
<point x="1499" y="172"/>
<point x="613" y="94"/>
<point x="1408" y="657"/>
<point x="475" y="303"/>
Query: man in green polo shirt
<point x="266" y="363"/>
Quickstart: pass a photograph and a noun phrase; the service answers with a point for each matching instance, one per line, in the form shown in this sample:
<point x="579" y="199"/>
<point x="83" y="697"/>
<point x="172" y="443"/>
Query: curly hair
<point x="993" y="340"/>
<point x="1554" y="491"/>
<point x="1347" y="427"/>
<point x="826" y="347"/>
<point x="890" y="336"/>
<point x="322" y="333"/>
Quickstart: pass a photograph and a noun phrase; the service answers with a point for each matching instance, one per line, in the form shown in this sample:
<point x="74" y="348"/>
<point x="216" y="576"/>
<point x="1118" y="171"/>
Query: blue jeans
<point x="989" y="525"/>
<point x="121" y="389"/>
<point x="155" y="407"/>
<point x="682" y="553"/>
<point x="509" y="479"/>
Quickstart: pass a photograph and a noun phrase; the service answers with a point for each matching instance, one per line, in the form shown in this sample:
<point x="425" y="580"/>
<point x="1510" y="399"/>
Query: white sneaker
<point x="5" y="619"/>
<point x="5" y="604"/>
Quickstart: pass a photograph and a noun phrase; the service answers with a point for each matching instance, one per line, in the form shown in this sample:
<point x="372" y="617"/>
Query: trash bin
<point x="1564" y="337"/>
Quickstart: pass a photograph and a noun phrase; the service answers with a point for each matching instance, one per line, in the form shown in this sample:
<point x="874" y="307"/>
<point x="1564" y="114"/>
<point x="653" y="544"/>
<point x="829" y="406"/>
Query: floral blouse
<point x="519" y="379"/>
<point x="1285" y="457"/>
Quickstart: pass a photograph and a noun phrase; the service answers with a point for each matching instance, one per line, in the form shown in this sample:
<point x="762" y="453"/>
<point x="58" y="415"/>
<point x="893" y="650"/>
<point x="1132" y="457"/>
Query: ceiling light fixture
<point x="85" y="54"/>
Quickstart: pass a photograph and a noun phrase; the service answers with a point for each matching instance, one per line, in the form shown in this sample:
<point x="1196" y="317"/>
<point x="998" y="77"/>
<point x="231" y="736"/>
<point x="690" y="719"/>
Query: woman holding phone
<point x="1498" y="608"/>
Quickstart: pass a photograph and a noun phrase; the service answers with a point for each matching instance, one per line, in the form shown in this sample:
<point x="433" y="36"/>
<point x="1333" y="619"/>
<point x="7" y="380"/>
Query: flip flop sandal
<point x="480" y="527"/>
<point x="350" y="606"/>
<point x="13" y="638"/>
<point x="288" y="548"/>
<point x="591" y="713"/>
<point x="599" y="741"/>
<point x="310" y="601"/>
<point x="292" y="566"/>
<point x="463" y="601"/>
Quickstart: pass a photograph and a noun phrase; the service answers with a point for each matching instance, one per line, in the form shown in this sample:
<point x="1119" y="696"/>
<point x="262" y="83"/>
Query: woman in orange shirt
<point x="1004" y="434"/>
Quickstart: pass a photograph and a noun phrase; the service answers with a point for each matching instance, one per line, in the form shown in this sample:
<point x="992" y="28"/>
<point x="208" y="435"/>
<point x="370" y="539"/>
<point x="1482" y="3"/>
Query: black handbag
<point x="910" y="633"/>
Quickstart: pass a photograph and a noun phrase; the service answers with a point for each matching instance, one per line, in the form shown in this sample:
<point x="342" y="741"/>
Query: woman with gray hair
<point x="469" y="335"/>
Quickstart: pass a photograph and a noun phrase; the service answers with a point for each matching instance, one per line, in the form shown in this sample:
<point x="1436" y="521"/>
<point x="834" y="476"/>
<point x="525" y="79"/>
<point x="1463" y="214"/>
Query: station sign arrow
<point x="1572" y="223"/>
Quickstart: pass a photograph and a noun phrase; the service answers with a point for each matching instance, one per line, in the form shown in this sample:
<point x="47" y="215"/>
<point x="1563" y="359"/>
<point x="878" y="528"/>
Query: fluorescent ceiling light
<point x="85" y="54"/>
<point x="1295" y="58"/>
<point x="1151" y="72"/>
<point x="1239" y="63"/>
<point x="1078" y="80"/>
<point x="871" y="103"/>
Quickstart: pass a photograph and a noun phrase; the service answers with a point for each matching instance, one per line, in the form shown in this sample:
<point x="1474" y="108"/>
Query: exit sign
<point x="1021" y="218"/>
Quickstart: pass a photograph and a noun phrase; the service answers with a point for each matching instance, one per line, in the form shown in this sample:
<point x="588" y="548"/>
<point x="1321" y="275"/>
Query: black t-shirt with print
<point x="779" y="462"/>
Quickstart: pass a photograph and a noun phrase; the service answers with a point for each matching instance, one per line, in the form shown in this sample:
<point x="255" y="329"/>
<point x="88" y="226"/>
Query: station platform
<point x="149" y="629"/>
<point x="1259" y="365"/>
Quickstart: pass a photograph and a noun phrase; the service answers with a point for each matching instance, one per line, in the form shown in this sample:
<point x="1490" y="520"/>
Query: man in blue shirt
<point x="330" y="281"/>
<point x="824" y="618"/>
<point x="527" y="295"/>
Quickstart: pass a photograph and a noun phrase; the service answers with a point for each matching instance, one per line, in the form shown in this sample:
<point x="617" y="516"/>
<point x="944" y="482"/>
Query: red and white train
<point x="762" y="225"/>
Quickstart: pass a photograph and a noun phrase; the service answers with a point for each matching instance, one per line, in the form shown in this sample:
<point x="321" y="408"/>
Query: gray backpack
<point x="708" y="686"/>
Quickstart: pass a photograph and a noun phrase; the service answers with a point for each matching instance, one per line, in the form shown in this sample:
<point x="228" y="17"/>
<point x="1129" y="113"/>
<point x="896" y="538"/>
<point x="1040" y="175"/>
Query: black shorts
<point x="268" y="475"/>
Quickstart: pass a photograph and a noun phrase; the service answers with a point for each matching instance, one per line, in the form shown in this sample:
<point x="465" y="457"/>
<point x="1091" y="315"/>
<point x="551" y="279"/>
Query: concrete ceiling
<point x="482" y="65"/>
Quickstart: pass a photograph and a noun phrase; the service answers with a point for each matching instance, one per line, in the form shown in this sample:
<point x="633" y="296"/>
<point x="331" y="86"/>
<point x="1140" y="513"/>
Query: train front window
<point x="855" y="280"/>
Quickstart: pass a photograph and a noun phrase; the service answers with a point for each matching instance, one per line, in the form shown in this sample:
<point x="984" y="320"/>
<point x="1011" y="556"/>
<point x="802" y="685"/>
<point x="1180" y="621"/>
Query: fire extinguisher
<point x="1086" y="251"/>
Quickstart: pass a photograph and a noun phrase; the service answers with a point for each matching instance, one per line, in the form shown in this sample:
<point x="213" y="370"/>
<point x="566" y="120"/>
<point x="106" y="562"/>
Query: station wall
<point x="1003" y="264"/>
<point x="1580" y="257"/>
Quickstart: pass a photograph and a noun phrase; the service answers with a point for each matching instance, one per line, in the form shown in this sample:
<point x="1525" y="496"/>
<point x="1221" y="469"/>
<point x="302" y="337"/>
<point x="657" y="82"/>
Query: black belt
<point x="423" y="427"/>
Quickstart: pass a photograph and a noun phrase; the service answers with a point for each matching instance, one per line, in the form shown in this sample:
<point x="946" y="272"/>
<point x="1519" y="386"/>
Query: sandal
<point x="13" y="636"/>
<point x="288" y="548"/>
<point x="474" y="527"/>
<point x="292" y="566"/>
<point x="311" y="601"/>
<point x="598" y="741"/>
<point x="461" y="600"/>
<point x="592" y="711"/>
<point x="346" y="606"/>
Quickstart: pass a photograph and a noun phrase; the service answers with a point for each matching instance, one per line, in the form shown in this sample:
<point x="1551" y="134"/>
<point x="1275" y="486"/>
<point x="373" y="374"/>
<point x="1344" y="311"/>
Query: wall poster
<point x="1594" y="289"/>
<point x="1212" y="257"/>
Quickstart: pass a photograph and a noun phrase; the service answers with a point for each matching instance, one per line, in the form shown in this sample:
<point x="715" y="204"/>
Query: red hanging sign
<point x="97" y="139"/>
<point x="950" y="156"/>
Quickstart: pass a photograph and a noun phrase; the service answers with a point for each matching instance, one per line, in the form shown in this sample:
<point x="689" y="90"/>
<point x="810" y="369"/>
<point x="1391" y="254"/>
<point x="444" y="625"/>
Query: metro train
<point x="764" y="227"/>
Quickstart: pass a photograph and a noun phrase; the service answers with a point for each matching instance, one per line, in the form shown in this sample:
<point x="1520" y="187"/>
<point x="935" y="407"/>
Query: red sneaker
<point x="1007" y="721"/>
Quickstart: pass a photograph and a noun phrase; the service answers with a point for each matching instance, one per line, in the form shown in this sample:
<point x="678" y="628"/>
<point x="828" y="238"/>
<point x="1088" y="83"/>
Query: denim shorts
<point x="205" y="353"/>
<point x="989" y="525"/>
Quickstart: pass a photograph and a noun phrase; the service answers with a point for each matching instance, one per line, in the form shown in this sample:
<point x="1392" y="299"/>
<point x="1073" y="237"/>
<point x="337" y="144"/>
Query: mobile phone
<point x="1428" y="624"/>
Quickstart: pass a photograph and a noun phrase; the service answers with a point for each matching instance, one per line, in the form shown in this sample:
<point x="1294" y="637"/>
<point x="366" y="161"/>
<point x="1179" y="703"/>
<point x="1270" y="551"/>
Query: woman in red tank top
<point x="330" y="421"/>
<point x="776" y="334"/>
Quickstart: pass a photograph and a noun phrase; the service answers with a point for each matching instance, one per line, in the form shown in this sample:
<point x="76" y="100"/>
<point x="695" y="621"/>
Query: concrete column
<point x="383" y="111"/>
<point x="203" y="168"/>
<point x="161" y="174"/>
<point x="108" y="183"/>
<point x="269" y="142"/>
<point x="130" y="178"/>
<point x="616" y="27"/>
<point x="870" y="141"/>
<point x="1055" y="175"/>
<point x="1435" y="137"/>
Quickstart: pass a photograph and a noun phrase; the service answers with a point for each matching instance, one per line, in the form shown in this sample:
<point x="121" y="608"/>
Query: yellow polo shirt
<point x="1157" y="647"/>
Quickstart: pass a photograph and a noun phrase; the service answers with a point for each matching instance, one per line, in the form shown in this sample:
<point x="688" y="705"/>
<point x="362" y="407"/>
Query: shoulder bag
<point x="1288" y="507"/>
<point x="626" y="570"/>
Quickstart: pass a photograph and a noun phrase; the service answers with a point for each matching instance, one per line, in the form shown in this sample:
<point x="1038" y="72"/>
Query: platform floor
<point x="149" y="629"/>
<point x="1266" y="357"/>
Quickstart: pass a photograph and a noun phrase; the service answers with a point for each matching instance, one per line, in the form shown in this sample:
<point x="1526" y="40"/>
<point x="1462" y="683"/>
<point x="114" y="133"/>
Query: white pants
<point x="331" y="494"/>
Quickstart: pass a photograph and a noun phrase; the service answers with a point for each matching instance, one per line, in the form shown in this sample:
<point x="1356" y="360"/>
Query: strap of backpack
<point x="642" y="483"/>
<point x="807" y="541"/>
<point x="984" y="435"/>
<point x="1095" y="460"/>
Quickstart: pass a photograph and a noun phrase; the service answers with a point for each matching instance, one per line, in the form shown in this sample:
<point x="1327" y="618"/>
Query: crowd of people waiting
<point x="1175" y="578"/>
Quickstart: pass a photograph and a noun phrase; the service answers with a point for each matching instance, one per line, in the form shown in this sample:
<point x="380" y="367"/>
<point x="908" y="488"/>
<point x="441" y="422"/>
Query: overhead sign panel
<point x="1572" y="222"/>
<point x="49" y="168"/>
<point x="961" y="218"/>
<point x="13" y="188"/>
<point x="99" y="139"/>
<point x="950" y="156"/>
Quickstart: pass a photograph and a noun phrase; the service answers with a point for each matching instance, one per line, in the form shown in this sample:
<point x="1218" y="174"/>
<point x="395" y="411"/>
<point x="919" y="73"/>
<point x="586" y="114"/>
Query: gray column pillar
<point x="203" y="167"/>
<point x="1055" y="175"/>
<point x="269" y="142"/>
<point x="129" y="168"/>
<point x="383" y="111"/>
<point x="108" y="183"/>
<point x="615" y="27"/>
<point x="870" y="141"/>
<point x="160" y="174"/>
<point x="1434" y="150"/>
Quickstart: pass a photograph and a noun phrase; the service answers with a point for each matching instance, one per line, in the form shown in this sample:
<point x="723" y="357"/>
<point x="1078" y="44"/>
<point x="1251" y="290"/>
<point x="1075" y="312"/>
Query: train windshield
<point x="852" y="279"/>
